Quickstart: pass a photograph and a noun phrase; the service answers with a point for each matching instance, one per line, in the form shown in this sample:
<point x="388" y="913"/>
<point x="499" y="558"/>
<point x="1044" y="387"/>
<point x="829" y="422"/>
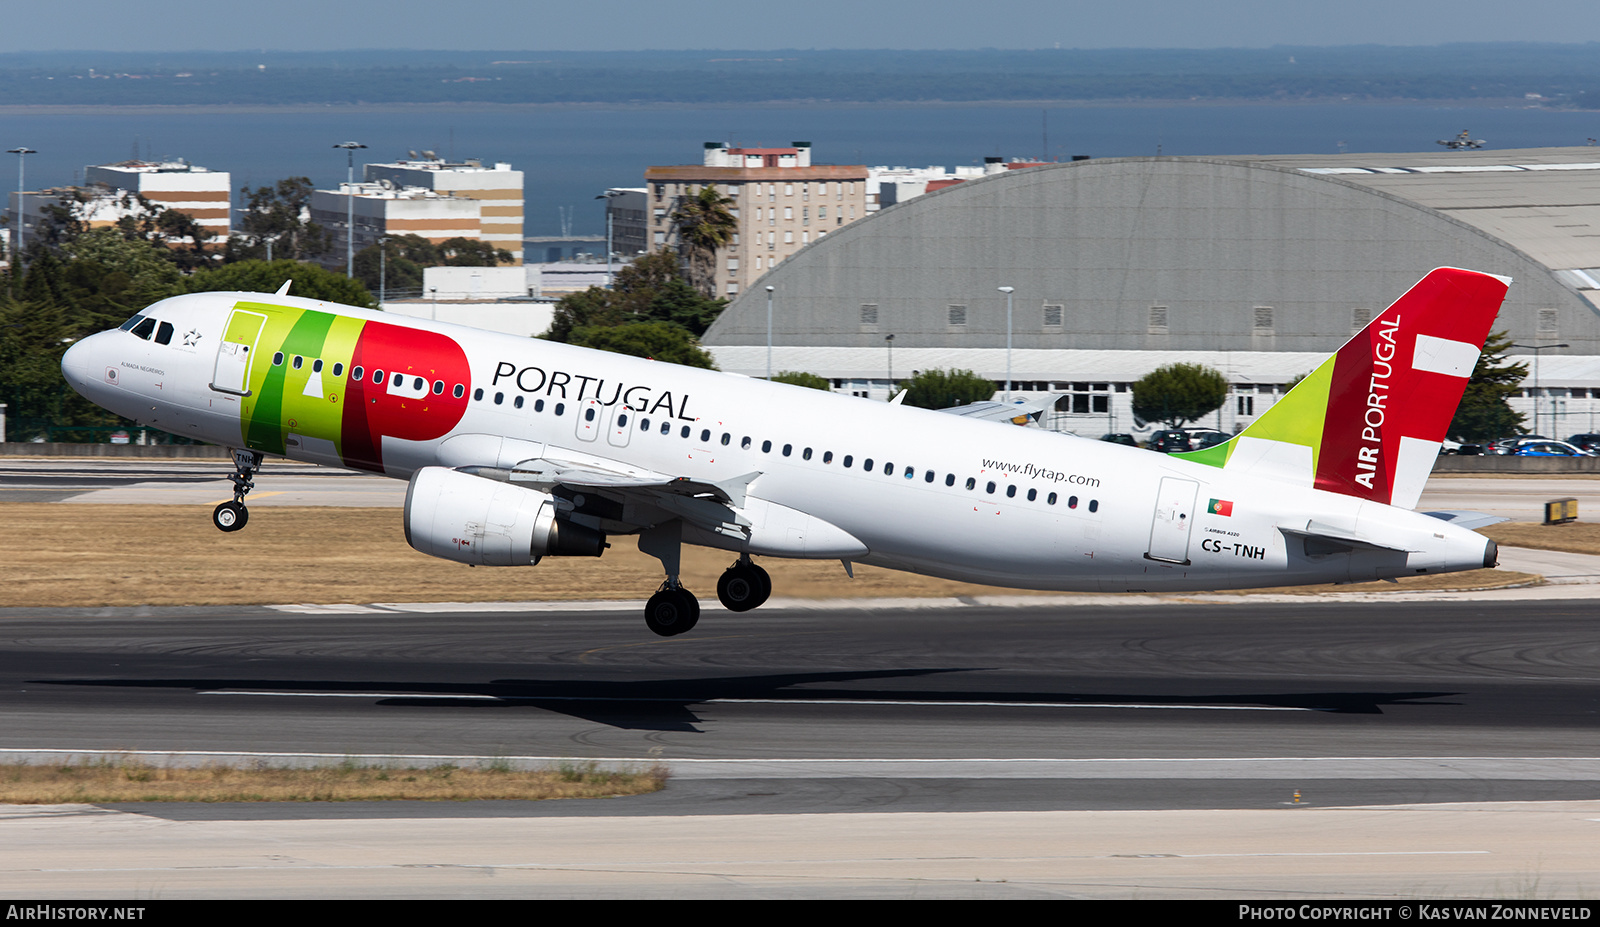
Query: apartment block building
<point x="781" y="200"/>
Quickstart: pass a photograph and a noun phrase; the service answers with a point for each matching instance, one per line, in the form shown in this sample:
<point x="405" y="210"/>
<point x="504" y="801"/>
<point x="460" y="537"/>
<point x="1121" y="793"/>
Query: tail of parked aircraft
<point x="1369" y="420"/>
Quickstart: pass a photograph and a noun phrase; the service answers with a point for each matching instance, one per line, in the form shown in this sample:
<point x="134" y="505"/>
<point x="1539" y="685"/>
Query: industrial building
<point x="1258" y="266"/>
<point x="782" y="203"/>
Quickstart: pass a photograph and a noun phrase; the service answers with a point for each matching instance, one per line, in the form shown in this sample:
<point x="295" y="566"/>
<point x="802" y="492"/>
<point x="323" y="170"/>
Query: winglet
<point x="284" y="290"/>
<point x="1369" y="420"/>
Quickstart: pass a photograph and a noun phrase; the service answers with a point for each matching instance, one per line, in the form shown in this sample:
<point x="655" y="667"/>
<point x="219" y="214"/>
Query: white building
<point x="497" y="190"/>
<point x="382" y="209"/>
<point x="176" y="185"/>
<point x="109" y="192"/>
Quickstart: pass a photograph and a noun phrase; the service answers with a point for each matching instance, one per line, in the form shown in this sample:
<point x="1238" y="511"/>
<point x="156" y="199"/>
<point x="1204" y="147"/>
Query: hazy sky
<point x="314" y="25"/>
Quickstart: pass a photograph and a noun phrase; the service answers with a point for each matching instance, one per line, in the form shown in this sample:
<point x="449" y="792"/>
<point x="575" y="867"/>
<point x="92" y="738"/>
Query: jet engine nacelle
<point x="470" y="519"/>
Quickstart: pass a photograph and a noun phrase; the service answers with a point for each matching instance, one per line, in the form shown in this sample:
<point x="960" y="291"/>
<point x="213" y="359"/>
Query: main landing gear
<point x="743" y="586"/>
<point x="674" y="609"/>
<point x="231" y="516"/>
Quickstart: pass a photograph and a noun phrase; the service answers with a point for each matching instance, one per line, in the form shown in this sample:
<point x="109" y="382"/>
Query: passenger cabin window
<point x="338" y="371"/>
<point x="316" y="365"/>
<point x="356" y="373"/>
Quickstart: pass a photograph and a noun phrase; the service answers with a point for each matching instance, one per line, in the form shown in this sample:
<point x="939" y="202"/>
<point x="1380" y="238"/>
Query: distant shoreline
<point x="315" y="108"/>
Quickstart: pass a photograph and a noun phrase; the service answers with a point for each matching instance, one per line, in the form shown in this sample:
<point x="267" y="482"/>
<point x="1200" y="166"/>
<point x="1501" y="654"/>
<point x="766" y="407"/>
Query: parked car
<point x="1120" y="438"/>
<point x="1549" y="449"/>
<point x="1169" y="442"/>
<point x="1209" y="439"/>
<point x="1509" y="445"/>
<point x="1589" y="442"/>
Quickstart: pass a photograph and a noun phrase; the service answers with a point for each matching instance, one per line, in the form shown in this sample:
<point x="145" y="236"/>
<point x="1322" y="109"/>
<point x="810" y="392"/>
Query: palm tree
<point x="704" y="224"/>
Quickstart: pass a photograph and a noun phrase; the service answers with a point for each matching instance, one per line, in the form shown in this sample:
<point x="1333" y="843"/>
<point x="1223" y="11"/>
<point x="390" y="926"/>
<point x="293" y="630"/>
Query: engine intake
<point x="470" y="519"/>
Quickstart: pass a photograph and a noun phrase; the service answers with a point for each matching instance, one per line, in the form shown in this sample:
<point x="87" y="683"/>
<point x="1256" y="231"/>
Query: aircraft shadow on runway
<point x="668" y="705"/>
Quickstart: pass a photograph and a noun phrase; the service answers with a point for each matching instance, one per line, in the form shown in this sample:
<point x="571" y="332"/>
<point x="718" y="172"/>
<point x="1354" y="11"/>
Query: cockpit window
<point x="145" y="329"/>
<point x="128" y="325"/>
<point x="164" y="333"/>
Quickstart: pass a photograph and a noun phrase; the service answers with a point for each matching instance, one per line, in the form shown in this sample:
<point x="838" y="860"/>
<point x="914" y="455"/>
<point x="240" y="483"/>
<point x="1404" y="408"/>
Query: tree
<point x="310" y="281"/>
<point x="1178" y="394"/>
<point x="662" y="341"/>
<point x="400" y="261"/>
<point x="650" y="289"/>
<point x="471" y="252"/>
<point x="807" y="380"/>
<point x="276" y="221"/>
<point x="704" y="225"/>
<point x="944" y="389"/>
<point x="1484" y="414"/>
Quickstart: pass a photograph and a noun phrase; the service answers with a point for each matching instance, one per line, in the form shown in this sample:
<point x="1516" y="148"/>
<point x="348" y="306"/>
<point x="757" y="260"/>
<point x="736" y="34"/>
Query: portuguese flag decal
<point x="1220" y="507"/>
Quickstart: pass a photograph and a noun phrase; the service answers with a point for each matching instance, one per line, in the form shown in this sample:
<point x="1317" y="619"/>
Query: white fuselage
<point x="1043" y="511"/>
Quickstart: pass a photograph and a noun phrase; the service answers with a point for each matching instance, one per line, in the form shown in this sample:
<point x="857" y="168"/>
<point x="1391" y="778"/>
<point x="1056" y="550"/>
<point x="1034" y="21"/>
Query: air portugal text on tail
<point x="1368" y="422"/>
<point x="508" y="470"/>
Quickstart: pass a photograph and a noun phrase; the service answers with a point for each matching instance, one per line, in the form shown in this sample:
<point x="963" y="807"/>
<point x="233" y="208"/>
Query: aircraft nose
<point x="78" y="363"/>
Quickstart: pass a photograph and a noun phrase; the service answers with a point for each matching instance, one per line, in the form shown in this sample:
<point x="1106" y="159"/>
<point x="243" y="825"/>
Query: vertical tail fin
<point x="1369" y="420"/>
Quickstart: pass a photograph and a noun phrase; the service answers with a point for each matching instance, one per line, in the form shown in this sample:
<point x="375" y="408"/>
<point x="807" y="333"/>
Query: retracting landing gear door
<point x="1174" y="515"/>
<point x="236" y="353"/>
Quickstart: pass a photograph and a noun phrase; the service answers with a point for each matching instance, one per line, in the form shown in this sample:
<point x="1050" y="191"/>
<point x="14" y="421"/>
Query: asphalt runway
<point x="1262" y="751"/>
<point x="1135" y="707"/>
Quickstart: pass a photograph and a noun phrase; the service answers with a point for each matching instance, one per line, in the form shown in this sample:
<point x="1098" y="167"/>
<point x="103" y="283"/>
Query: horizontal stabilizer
<point x="1339" y="537"/>
<point x="1471" y="521"/>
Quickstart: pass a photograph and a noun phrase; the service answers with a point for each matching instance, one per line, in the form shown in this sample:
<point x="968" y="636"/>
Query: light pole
<point x="383" y="270"/>
<point x="608" y="196"/>
<point x="1536" y="348"/>
<point x="769" y="333"/>
<point x="889" y="340"/>
<point x="1007" y="290"/>
<point x="350" y="207"/>
<point x="16" y="248"/>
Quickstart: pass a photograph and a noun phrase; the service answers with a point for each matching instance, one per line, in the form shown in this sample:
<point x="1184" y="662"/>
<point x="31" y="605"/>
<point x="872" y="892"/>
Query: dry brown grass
<point x="120" y="555"/>
<point x="1577" y="537"/>
<point x="109" y="555"/>
<point x="100" y="783"/>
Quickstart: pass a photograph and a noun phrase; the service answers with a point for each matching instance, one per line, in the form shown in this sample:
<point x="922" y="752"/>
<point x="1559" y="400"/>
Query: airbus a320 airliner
<point x="519" y="449"/>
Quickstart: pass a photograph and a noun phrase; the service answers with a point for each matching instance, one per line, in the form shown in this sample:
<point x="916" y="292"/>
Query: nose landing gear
<point x="231" y="516"/>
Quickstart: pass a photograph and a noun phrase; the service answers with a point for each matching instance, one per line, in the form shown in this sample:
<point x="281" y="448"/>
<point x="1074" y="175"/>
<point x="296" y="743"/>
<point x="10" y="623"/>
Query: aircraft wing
<point x="642" y="498"/>
<point x="1003" y="411"/>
